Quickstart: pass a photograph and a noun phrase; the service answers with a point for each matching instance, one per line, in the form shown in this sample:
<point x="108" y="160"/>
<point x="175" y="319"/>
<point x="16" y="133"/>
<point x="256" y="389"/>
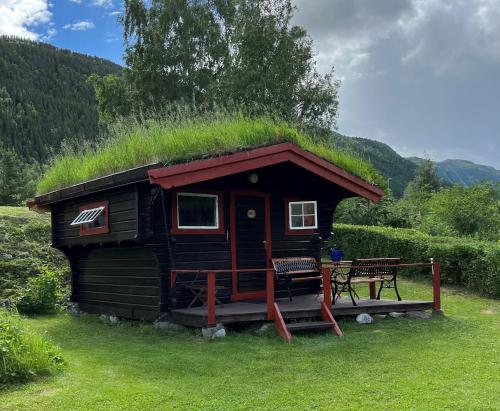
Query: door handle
<point x="264" y="242"/>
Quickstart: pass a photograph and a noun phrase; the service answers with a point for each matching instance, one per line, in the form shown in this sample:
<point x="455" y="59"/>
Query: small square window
<point x="302" y="215"/>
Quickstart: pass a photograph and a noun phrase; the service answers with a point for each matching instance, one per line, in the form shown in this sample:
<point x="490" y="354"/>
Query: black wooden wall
<point x="123" y="219"/>
<point x="127" y="272"/>
<point x="121" y="280"/>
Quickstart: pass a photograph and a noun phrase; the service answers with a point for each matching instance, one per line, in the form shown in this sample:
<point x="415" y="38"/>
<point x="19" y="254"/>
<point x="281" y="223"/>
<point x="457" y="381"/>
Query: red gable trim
<point x="203" y="170"/>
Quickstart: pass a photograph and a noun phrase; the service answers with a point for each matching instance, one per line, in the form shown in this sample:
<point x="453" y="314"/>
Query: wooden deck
<point x="301" y="307"/>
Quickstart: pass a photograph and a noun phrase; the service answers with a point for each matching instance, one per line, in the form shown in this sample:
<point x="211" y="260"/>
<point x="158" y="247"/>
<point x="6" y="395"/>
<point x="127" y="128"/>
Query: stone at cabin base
<point x="364" y="318"/>
<point x="213" y="332"/>
<point x="395" y="314"/>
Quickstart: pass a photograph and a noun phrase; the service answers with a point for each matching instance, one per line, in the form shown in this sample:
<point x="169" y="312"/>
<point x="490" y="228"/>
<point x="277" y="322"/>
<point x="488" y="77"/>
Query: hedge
<point x="465" y="262"/>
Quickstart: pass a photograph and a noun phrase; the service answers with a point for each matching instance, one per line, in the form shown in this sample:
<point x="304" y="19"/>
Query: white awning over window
<point x="88" y="216"/>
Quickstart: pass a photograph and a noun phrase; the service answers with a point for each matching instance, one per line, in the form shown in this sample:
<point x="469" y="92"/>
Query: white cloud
<point x="451" y="37"/>
<point x="440" y="35"/>
<point x="17" y="18"/>
<point x="344" y="31"/>
<point x="115" y="13"/>
<point x="102" y="3"/>
<point x="79" y="26"/>
<point x="51" y="32"/>
<point x="76" y="1"/>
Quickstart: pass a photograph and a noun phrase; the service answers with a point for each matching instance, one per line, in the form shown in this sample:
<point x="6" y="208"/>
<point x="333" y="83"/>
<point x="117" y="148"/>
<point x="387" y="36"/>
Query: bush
<point x="24" y="355"/>
<point x="43" y="293"/>
<point x="465" y="262"/>
<point x="24" y="248"/>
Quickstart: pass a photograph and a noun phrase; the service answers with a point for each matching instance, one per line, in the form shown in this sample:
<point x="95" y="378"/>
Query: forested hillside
<point x="398" y="170"/>
<point x="462" y="172"/>
<point x="45" y="97"/>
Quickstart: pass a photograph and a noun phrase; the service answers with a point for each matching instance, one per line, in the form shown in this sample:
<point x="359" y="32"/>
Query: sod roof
<point x="158" y="142"/>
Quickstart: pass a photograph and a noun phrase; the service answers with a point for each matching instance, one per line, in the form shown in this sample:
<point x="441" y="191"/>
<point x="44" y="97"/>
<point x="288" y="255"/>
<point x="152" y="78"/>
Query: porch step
<point x="285" y="329"/>
<point x="309" y="325"/>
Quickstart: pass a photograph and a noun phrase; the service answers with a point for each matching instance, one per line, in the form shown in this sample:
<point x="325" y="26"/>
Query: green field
<point x="449" y="362"/>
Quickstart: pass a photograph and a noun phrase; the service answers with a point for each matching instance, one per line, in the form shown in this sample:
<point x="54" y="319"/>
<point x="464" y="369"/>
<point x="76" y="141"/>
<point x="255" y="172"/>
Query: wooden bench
<point x="296" y="270"/>
<point x="365" y="271"/>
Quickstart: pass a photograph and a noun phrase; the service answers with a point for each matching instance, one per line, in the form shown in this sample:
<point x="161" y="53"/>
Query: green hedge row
<point x="470" y="263"/>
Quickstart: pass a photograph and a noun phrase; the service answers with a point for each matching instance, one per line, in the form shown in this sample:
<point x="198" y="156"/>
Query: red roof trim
<point x="203" y="170"/>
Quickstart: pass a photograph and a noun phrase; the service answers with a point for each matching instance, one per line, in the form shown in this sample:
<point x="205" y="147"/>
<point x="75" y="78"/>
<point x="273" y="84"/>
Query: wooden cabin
<point x="129" y="236"/>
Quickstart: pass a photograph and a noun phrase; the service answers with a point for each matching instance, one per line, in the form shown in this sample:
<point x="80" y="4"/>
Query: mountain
<point x="462" y="172"/>
<point x="45" y="97"/>
<point x="398" y="170"/>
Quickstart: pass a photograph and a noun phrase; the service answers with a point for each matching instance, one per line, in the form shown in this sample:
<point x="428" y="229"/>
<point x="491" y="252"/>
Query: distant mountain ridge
<point x="462" y="172"/>
<point x="398" y="170"/>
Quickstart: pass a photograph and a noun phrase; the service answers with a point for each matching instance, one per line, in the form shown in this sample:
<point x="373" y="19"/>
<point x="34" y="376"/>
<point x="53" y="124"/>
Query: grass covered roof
<point x="169" y="143"/>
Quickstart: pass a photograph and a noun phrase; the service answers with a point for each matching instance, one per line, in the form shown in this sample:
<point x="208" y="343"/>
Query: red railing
<point x="211" y="288"/>
<point x="326" y="274"/>
<point x="435" y="270"/>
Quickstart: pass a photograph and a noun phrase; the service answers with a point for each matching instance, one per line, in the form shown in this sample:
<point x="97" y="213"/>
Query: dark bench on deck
<point x="296" y="270"/>
<point x="365" y="271"/>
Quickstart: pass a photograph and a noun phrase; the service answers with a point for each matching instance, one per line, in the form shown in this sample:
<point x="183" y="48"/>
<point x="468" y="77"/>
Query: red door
<point x="250" y="243"/>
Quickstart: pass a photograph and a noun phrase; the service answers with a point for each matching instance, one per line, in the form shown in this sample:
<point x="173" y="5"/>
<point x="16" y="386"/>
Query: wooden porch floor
<point x="301" y="307"/>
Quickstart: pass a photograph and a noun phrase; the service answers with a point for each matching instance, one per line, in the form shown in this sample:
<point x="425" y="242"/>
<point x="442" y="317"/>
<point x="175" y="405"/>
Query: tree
<point x="425" y="183"/>
<point x="10" y="181"/>
<point x="360" y="211"/>
<point x="215" y="52"/>
<point x="465" y="211"/>
<point x="113" y="95"/>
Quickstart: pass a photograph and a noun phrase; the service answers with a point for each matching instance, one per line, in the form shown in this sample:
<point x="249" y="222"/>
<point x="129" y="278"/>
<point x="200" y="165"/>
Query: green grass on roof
<point x="169" y="143"/>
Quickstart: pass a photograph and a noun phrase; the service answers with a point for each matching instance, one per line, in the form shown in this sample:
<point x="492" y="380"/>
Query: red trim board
<point x="202" y="170"/>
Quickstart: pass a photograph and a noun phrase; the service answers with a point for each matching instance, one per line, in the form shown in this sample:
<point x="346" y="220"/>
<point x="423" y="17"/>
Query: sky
<point x="420" y="75"/>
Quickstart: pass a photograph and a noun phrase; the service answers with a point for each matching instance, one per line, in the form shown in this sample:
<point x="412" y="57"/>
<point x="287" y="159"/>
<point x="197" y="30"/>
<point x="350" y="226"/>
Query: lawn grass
<point x="448" y="362"/>
<point x="169" y="142"/>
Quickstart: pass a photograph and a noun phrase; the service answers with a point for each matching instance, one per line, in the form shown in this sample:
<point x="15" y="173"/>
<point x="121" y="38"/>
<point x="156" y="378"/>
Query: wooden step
<point x="309" y="325"/>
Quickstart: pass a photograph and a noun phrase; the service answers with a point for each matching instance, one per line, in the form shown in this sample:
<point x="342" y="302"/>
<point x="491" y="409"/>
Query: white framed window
<point x="302" y="215"/>
<point x="197" y="211"/>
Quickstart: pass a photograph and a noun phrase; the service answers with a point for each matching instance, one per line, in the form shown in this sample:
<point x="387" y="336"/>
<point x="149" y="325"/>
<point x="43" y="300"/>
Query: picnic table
<point x="346" y="275"/>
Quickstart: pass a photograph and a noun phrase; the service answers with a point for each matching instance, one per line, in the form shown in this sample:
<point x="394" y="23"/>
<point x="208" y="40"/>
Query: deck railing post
<point x="373" y="292"/>
<point x="436" y="286"/>
<point x="270" y="294"/>
<point x="327" y="287"/>
<point x="172" y="278"/>
<point x="211" y="298"/>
